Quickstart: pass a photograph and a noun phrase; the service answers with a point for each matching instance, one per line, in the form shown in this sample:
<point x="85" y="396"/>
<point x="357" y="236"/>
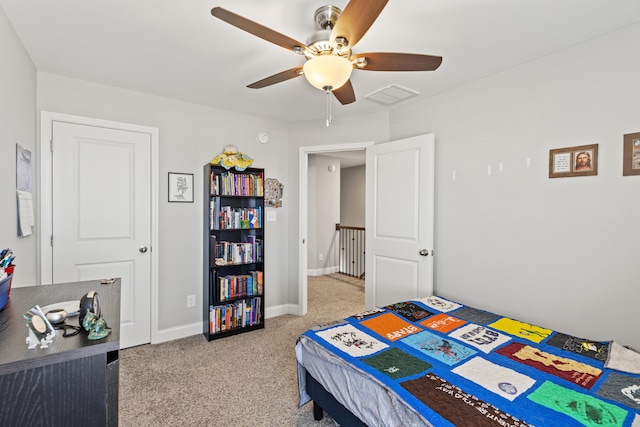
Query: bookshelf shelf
<point x="233" y="277"/>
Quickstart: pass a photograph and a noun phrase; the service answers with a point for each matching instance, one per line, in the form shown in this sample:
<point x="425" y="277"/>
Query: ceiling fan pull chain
<point x="328" y="92"/>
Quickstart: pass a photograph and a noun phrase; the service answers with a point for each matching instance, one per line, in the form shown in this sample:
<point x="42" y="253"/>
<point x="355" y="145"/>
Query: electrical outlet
<point x="191" y="301"/>
<point x="320" y="257"/>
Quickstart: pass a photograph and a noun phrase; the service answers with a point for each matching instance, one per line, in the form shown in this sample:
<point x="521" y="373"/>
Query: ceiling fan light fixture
<point x="327" y="71"/>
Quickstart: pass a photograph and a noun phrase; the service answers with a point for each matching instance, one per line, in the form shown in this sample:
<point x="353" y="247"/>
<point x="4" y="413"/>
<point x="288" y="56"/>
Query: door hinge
<point x="52" y="240"/>
<point x="51" y="145"/>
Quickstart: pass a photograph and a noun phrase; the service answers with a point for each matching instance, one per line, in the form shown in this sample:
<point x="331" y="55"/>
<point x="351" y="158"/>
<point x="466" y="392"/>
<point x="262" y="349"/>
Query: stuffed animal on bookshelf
<point x="232" y="158"/>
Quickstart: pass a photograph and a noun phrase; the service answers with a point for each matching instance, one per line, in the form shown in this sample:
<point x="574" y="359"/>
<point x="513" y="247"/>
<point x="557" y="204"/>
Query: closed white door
<point x="101" y="202"/>
<point x="399" y="220"/>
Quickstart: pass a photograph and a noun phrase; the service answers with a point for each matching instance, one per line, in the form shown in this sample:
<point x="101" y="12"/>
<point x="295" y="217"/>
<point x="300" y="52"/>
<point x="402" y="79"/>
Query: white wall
<point x="556" y="252"/>
<point x="324" y="213"/>
<point x="190" y="135"/>
<point x="18" y="118"/>
<point x="352" y="196"/>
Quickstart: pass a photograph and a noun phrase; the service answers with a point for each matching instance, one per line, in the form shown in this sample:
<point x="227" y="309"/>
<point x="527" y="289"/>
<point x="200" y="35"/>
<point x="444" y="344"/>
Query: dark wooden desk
<point x="73" y="382"/>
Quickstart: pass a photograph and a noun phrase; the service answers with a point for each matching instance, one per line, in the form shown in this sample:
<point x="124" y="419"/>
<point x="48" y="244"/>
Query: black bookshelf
<point x="233" y="261"/>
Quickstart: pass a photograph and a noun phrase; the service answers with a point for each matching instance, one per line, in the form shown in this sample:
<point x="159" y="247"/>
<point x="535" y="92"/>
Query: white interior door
<point x="399" y="220"/>
<point x="101" y="202"/>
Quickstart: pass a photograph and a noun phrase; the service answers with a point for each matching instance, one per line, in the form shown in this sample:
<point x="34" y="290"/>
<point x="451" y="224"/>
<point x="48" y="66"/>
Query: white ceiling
<point x="175" y="48"/>
<point x="348" y="159"/>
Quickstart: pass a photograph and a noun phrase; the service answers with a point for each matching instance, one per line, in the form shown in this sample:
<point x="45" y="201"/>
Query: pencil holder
<point x="5" y="287"/>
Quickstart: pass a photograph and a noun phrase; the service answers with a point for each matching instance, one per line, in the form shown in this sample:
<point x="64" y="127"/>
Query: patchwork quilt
<point x="458" y="365"/>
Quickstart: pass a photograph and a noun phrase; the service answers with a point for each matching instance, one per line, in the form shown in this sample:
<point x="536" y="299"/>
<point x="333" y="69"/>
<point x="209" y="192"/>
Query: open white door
<point x="101" y="203"/>
<point x="399" y="220"/>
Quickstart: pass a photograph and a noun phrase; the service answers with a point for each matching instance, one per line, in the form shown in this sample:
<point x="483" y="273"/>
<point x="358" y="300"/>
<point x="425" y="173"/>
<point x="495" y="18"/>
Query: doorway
<point x="303" y="161"/>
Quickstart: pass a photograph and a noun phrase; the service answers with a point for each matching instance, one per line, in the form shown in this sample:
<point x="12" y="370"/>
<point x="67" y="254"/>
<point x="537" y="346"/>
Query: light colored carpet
<point x="244" y="380"/>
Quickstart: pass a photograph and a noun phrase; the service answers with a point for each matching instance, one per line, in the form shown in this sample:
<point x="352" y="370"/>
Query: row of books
<point x="227" y="217"/>
<point x="232" y="253"/>
<point x="233" y="316"/>
<point x="243" y="285"/>
<point x="237" y="184"/>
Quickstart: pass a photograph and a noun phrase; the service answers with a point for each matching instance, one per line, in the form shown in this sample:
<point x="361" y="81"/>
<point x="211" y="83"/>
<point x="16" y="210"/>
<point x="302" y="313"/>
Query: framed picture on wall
<point x="631" y="157"/>
<point x="581" y="160"/>
<point x="181" y="187"/>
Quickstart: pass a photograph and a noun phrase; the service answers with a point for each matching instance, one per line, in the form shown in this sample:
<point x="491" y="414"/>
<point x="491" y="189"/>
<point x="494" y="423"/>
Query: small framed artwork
<point x="581" y="160"/>
<point x="181" y="187"/>
<point x="631" y="157"/>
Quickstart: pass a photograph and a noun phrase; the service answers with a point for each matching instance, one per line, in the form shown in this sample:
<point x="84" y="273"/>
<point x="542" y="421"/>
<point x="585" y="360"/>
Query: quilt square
<point x="480" y="337"/>
<point x="502" y="381"/>
<point x="568" y="369"/>
<point x="442" y="323"/>
<point x="396" y="364"/>
<point x="593" y="349"/>
<point x="438" y="303"/>
<point x="352" y="340"/>
<point x="439" y="348"/>
<point x="621" y="388"/>
<point x="368" y="313"/>
<point x="521" y="329"/>
<point x="456" y="406"/>
<point x="409" y="311"/>
<point x="390" y="326"/>
<point x="588" y="410"/>
<point x="473" y="315"/>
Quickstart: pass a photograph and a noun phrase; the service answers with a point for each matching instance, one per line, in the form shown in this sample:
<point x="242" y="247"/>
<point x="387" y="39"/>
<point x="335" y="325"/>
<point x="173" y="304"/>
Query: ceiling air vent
<point x="391" y="95"/>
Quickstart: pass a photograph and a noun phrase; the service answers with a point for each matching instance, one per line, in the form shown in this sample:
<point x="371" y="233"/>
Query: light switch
<point x="271" y="215"/>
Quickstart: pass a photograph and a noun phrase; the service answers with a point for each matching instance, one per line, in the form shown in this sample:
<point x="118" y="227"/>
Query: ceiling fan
<point x="328" y="50"/>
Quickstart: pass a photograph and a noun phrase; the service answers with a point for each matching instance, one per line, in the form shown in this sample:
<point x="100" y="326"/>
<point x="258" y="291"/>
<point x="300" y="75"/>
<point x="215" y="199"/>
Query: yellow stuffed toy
<point x="232" y="158"/>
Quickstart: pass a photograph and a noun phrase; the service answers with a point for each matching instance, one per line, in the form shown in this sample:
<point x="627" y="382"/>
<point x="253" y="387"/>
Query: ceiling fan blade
<point x="256" y="29"/>
<point x="381" y="61"/>
<point x="345" y="93"/>
<point x="277" y="78"/>
<point x="355" y="20"/>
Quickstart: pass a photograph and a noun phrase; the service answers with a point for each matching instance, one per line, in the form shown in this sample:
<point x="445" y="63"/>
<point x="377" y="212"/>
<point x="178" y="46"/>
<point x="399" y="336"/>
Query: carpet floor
<point x="244" y="380"/>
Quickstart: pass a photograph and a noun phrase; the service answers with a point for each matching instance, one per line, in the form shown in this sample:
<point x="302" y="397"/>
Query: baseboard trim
<point x="280" y="310"/>
<point x="184" y="331"/>
<point x="323" y="271"/>
<point x="178" y="332"/>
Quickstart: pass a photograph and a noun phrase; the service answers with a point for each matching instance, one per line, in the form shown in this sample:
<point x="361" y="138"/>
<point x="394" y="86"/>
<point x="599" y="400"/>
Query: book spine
<point x="212" y="251"/>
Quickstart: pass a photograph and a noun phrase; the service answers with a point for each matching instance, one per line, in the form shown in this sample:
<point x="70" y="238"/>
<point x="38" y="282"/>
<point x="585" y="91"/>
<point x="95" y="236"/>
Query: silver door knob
<point x="143" y="249"/>
<point x="424" y="252"/>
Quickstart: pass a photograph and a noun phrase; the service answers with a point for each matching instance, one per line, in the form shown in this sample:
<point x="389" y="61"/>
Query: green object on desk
<point x="96" y="325"/>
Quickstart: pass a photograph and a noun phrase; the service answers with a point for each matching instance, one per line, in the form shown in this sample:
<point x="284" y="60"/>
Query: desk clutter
<point x="6" y="274"/>
<point x="43" y="322"/>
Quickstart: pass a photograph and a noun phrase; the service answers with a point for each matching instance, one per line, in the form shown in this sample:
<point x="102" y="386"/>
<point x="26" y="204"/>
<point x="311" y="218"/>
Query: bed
<point x="435" y="362"/>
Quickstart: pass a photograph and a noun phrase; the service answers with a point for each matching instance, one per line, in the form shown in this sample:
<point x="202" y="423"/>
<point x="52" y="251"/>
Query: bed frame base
<point x="323" y="400"/>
